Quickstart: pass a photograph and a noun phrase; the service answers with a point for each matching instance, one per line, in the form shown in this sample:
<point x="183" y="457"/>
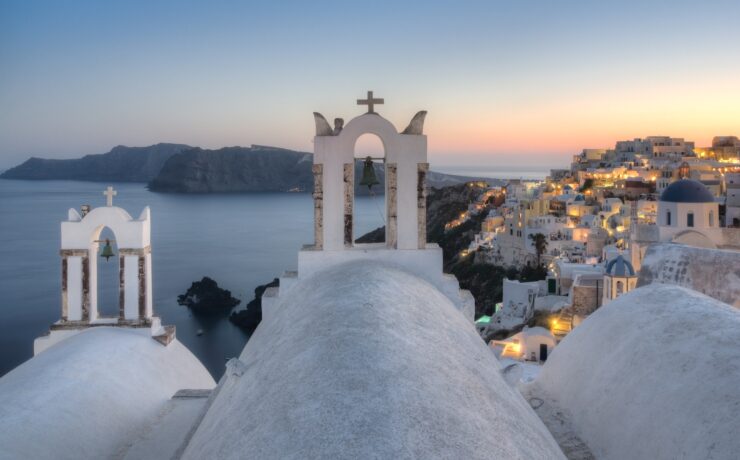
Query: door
<point x="543" y="352"/>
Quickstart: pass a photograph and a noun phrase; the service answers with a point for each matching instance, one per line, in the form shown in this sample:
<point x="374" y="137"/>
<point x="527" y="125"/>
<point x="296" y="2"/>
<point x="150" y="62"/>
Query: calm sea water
<point x="535" y="172"/>
<point x="240" y="240"/>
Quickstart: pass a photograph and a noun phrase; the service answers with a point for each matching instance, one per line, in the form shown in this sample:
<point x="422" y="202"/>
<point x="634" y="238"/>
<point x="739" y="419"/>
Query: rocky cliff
<point x="179" y="168"/>
<point x="121" y="164"/>
<point x="257" y="169"/>
<point x="235" y="169"/>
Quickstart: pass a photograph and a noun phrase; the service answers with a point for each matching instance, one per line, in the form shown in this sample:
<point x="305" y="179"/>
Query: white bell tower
<point x="405" y="180"/>
<point x="79" y="284"/>
<point x="405" y="193"/>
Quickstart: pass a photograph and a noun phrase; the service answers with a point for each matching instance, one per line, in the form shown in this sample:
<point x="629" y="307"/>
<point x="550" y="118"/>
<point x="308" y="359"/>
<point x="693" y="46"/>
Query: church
<point x="407" y="377"/>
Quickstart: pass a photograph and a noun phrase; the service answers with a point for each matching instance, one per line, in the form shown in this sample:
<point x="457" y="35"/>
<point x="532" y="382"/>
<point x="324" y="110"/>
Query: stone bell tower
<point x="405" y="197"/>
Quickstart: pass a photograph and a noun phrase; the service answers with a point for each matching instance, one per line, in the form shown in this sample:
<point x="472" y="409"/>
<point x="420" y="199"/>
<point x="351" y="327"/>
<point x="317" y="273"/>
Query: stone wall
<point x="586" y="299"/>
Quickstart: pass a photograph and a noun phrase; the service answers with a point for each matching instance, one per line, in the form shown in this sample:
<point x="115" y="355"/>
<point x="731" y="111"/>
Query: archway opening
<point x="107" y="274"/>
<point x="369" y="210"/>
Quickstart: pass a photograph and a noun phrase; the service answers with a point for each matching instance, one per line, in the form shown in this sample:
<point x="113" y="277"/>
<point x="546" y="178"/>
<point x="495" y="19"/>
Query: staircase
<point x="563" y="324"/>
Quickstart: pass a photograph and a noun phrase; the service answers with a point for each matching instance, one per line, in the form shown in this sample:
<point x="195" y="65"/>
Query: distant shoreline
<point x="492" y="172"/>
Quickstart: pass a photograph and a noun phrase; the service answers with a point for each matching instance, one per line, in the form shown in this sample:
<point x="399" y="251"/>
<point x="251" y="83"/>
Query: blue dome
<point x="618" y="266"/>
<point x="687" y="191"/>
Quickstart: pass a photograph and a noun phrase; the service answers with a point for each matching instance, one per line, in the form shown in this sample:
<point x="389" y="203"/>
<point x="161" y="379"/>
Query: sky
<point x="506" y="83"/>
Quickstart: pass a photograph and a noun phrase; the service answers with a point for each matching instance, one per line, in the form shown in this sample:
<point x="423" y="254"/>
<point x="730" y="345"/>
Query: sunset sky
<point x="517" y="83"/>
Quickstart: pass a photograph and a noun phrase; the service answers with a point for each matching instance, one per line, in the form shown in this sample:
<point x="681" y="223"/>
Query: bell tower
<point x="82" y="250"/>
<point x="405" y="196"/>
<point x="405" y="180"/>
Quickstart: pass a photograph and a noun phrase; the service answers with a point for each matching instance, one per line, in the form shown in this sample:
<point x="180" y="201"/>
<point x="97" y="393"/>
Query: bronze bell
<point x="107" y="251"/>
<point x="368" y="174"/>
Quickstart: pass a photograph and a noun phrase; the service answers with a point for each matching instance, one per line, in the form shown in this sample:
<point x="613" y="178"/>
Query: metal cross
<point x="370" y="102"/>
<point x="109" y="194"/>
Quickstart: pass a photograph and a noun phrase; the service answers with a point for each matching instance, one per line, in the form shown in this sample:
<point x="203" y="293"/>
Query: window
<point x="668" y="218"/>
<point x="620" y="287"/>
<point x="711" y="218"/>
<point x="690" y="219"/>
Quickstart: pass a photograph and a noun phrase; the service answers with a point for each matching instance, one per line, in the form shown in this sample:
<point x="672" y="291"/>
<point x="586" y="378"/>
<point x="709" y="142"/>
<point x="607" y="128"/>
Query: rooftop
<point x="687" y="191"/>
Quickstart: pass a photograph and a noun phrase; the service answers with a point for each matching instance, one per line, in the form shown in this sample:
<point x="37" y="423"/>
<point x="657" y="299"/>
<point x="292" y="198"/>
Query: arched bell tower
<point x="80" y="258"/>
<point x="405" y="179"/>
<point x="405" y="245"/>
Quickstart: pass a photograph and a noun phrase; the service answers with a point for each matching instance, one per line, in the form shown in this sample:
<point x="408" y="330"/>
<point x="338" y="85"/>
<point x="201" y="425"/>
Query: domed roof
<point x="408" y="376"/>
<point x="580" y="197"/>
<point x="687" y="191"/>
<point x="649" y="416"/>
<point x="92" y="393"/>
<point x="618" y="266"/>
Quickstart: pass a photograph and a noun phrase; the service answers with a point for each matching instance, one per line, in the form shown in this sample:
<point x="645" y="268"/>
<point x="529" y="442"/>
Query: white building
<point x="687" y="214"/>
<point x="531" y="344"/>
<point x="732" y="204"/>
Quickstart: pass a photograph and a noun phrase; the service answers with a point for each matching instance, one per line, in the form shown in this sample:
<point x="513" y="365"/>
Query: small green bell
<point x="107" y="251"/>
<point x="368" y="174"/>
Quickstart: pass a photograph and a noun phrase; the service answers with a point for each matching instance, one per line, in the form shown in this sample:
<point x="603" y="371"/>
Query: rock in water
<point x="249" y="318"/>
<point x="205" y="297"/>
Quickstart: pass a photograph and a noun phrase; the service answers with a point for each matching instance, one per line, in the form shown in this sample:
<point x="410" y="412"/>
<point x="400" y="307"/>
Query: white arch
<point x="130" y="233"/>
<point x="370" y="124"/>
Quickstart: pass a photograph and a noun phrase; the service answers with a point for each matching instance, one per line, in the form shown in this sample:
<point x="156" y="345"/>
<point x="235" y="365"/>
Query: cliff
<point x="235" y="169"/>
<point x="258" y="169"/>
<point x="121" y="164"/>
<point x="178" y="168"/>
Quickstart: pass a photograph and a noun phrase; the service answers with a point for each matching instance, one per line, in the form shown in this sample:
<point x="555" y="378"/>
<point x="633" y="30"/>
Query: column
<point x="121" y="287"/>
<point x="135" y="288"/>
<point x="391" y="202"/>
<point x="421" y="203"/>
<point x="318" y="205"/>
<point x="85" y="287"/>
<point x="142" y="287"/>
<point x="65" y="301"/>
<point x="349" y="201"/>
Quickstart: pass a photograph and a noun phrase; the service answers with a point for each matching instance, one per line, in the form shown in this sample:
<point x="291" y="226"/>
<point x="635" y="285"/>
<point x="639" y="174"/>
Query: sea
<point x="239" y="240"/>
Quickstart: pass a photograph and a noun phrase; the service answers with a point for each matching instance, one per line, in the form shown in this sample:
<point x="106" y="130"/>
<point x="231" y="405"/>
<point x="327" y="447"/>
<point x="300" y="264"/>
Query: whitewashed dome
<point x="651" y="375"/>
<point x="91" y="395"/>
<point x="364" y="360"/>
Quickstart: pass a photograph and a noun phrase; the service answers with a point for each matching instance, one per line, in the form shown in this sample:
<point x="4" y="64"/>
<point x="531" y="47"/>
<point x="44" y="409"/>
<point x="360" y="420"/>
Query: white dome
<point x="92" y="394"/>
<point x="653" y="374"/>
<point x="368" y="361"/>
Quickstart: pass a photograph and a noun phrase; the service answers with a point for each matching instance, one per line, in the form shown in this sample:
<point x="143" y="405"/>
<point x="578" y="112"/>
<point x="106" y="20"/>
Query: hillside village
<point x="590" y="227"/>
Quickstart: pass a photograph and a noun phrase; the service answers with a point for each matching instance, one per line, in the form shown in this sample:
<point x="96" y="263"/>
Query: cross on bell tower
<point x="370" y="102"/>
<point x="109" y="194"/>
